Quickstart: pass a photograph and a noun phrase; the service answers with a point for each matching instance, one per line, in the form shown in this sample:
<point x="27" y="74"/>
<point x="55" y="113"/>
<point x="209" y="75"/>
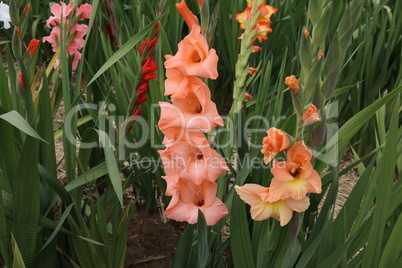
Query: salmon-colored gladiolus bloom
<point x="33" y="47"/>
<point x="263" y="205"/>
<point x="189" y="198"/>
<point x="179" y="85"/>
<point x="296" y="177"/>
<point x="293" y="83"/>
<point x="21" y="80"/>
<point x="275" y="142"/>
<point x="196" y="162"/>
<point x="194" y="57"/>
<point x="311" y="115"/>
<point x="186" y="13"/>
<point x="195" y="112"/>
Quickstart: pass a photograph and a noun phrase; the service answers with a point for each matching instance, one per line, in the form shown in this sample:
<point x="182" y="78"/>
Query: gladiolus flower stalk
<point x="188" y="159"/>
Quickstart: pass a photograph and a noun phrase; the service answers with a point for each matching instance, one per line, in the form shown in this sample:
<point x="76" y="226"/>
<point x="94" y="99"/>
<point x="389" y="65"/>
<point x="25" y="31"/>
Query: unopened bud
<point x="26" y="9"/>
<point x="320" y="54"/>
<point x="252" y="71"/>
<point x="292" y="83"/>
<point x="306" y="33"/>
<point x="21" y="80"/>
<point x="256" y="49"/>
<point x="248" y="97"/>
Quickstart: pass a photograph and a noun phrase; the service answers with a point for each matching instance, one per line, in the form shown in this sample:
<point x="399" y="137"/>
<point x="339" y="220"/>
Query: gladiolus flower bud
<point x="200" y="3"/>
<point x="21" y="80"/>
<point x="248" y="97"/>
<point x="292" y="83"/>
<point x="311" y="115"/>
<point x="33" y="47"/>
<point x="252" y="71"/>
<point x="256" y="49"/>
<point x="186" y="13"/>
<point x="26" y="9"/>
<point x="306" y="33"/>
<point x="18" y="32"/>
<point x="320" y="54"/>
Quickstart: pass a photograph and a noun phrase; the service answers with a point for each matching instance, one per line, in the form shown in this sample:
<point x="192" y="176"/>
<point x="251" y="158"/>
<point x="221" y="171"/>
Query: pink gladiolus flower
<point x="84" y="11"/>
<point x="60" y="12"/>
<point x="53" y="38"/>
<point x="189" y="198"/>
<point x="296" y="177"/>
<point x="196" y="162"/>
<point x="194" y="57"/>
<point x="264" y="205"/>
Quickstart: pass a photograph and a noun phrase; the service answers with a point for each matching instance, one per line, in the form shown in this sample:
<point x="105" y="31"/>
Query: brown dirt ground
<point x="152" y="243"/>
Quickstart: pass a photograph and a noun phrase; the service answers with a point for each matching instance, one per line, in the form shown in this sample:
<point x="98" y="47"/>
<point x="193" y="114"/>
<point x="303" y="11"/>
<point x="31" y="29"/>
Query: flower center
<point x="199" y="156"/>
<point x="294" y="172"/>
<point x="195" y="57"/>
<point x="199" y="201"/>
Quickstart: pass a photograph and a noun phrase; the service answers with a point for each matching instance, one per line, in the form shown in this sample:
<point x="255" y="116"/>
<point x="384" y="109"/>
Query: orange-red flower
<point x="186" y="13"/>
<point x="275" y="142"/>
<point x="194" y="57"/>
<point x="311" y="115"/>
<point x="263" y="22"/>
<point x="33" y="47"/>
<point x="264" y="205"/>
<point x="293" y="83"/>
<point x="296" y="177"/>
